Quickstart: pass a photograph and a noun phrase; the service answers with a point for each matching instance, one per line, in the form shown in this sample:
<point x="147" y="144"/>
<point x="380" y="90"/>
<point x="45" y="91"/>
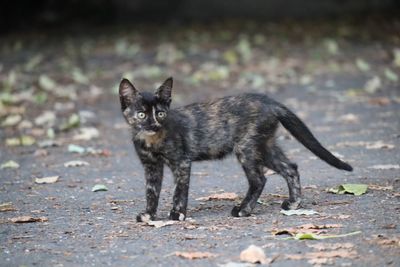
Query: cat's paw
<point x="176" y="216"/>
<point x="288" y="205"/>
<point x="144" y="217"/>
<point x="237" y="212"/>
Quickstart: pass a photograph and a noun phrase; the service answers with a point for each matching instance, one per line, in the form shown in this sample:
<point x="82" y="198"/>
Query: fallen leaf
<point x="87" y="133"/>
<point x="372" y="85"/>
<point x="322" y="226"/>
<point x="76" y="149"/>
<point x="220" y="196"/>
<point x="379" y="101"/>
<point x="387" y="241"/>
<point x="298" y="212"/>
<point x="75" y="163"/>
<point x="385" y="167"/>
<point x="24" y="140"/>
<point x="390" y="75"/>
<point x="254" y="254"/>
<point x="362" y="64"/>
<point x="99" y="187"/>
<point x="331" y="46"/>
<point x="312" y="236"/>
<point x="159" y="224"/>
<point x="47" y="180"/>
<point x="46" y="118"/>
<point x="72" y="122"/>
<point x="379" y="145"/>
<point x="8" y="206"/>
<point x="349" y="118"/>
<point x="46" y="83"/>
<point x="9" y="165"/>
<point x="28" y="219"/>
<point x="194" y="255"/>
<point x="380" y="187"/>
<point x="356" y="189"/>
<point x="396" y="57"/>
<point x="11" y="120"/>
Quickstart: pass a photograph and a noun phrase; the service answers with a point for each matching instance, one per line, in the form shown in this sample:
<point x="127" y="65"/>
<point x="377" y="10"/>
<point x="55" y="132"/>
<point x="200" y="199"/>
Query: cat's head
<point x="145" y="112"/>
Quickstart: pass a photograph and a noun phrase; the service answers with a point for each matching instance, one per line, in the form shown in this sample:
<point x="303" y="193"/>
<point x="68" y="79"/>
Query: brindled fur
<point x="244" y="125"/>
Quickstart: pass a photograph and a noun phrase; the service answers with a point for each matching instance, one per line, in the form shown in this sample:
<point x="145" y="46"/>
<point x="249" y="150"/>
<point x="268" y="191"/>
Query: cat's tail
<point x="301" y="132"/>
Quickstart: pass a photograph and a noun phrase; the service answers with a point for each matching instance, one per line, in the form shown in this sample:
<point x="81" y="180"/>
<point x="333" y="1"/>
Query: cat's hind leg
<point x="277" y="161"/>
<point x="253" y="169"/>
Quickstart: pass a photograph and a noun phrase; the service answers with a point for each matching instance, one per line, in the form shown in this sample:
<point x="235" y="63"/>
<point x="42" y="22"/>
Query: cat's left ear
<point x="165" y="90"/>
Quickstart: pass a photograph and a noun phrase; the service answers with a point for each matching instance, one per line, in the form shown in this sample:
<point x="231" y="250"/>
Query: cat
<point x="244" y="125"/>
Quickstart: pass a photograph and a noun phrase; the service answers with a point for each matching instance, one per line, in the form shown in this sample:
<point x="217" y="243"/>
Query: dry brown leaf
<point x="28" y="219"/>
<point x="254" y="254"/>
<point x="323" y="226"/>
<point x="220" y="196"/>
<point x="47" y="180"/>
<point x="194" y="255"/>
<point x="8" y="206"/>
<point x="380" y="101"/>
<point x="387" y="241"/>
<point x="380" y="187"/>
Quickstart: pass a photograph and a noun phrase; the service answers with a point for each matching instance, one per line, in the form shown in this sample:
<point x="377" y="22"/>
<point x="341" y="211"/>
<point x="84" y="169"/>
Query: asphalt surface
<point x="85" y="228"/>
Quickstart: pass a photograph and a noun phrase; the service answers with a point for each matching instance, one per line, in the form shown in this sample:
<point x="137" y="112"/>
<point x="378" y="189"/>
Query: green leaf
<point x="9" y="165"/>
<point x="396" y="57"/>
<point x="79" y="77"/>
<point x="99" y="187"/>
<point x="73" y="121"/>
<point x="390" y="75"/>
<point x="362" y="64"/>
<point x="311" y="236"/>
<point x="27" y="140"/>
<point x="46" y="83"/>
<point x="76" y="149"/>
<point x="11" y="120"/>
<point x="356" y="189"/>
<point x="331" y="46"/>
<point x="24" y="140"/>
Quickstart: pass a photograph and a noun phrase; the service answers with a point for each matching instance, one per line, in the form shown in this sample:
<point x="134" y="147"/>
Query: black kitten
<point x="243" y="124"/>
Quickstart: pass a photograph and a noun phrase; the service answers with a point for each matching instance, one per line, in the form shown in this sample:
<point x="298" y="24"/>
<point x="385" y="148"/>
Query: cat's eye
<point x="141" y="115"/>
<point x="161" y="114"/>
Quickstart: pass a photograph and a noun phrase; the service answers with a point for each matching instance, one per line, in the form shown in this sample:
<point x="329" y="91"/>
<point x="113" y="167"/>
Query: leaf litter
<point x="299" y="212"/>
<point x="219" y="196"/>
<point x="47" y="180"/>
<point x="28" y="219"/>
<point x="254" y="254"/>
<point x="9" y="165"/>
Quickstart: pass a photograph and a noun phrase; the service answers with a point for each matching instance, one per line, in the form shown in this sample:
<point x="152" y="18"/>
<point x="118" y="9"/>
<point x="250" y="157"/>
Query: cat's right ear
<point x="127" y="93"/>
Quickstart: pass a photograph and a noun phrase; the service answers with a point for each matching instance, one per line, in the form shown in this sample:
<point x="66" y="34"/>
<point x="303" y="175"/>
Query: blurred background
<point x="336" y="63"/>
<point x="69" y="56"/>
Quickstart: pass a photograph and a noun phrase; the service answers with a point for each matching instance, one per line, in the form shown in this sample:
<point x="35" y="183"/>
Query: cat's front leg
<point x="153" y="173"/>
<point x="181" y="173"/>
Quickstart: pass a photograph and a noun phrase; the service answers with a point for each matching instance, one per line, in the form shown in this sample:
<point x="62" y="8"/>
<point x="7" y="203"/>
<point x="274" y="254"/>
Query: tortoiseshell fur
<point x="244" y="125"/>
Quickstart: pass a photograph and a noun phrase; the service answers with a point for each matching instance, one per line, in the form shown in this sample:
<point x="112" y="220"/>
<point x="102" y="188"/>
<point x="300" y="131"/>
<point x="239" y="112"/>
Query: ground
<point x="341" y="77"/>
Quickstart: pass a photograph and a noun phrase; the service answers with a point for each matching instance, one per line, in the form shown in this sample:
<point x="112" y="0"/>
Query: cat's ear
<point x="165" y="90"/>
<point x="127" y="93"/>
